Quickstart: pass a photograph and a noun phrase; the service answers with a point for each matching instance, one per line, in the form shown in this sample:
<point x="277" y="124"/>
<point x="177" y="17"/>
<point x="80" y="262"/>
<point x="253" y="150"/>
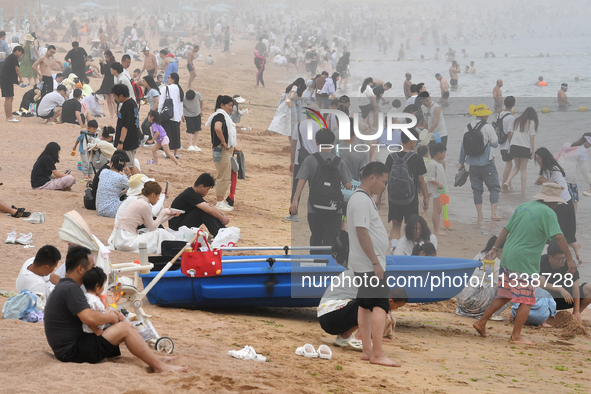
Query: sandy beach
<point x="439" y="351"/>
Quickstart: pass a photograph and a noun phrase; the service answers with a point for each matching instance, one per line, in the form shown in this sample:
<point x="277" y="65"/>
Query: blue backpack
<point x="21" y="304"/>
<point x="401" y="184"/>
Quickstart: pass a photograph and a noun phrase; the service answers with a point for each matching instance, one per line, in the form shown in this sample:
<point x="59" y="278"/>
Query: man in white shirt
<point x="368" y="246"/>
<point x="126" y="63"/>
<point x="37" y="275"/>
<point x="50" y="107"/>
<point x="134" y="34"/>
<point x="508" y="120"/>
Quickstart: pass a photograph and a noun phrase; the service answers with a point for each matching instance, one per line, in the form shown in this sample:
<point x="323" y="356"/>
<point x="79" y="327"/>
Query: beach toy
<point x="512" y="111"/>
<point x="582" y="109"/>
<point x="73" y="153"/>
<point x="543" y="83"/>
<point x="79" y="166"/>
<point x="444" y="198"/>
<point x="546" y="110"/>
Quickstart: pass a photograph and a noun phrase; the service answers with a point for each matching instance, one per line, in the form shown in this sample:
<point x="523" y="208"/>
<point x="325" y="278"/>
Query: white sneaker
<point x="11" y="239"/>
<point x="36" y="218"/>
<point x="341" y="342"/>
<point x="292" y="218"/>
<point x="196" y="148"/>
<point x="223" y="206"/>
<point x="191" y="148"/>
<point x="25" y="239"/>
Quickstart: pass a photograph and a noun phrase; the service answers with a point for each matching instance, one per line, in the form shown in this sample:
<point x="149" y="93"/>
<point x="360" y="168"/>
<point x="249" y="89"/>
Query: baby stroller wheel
<point x="164" y="344"/>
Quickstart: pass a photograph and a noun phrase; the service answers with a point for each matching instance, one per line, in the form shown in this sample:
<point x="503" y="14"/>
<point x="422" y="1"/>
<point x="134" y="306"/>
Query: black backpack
<point x="401" y="183"/>
<point x="91" y="188"/>
<point x="325" y="190"/>
<point x="498" y="125"/>
<point x="474" y="140"/>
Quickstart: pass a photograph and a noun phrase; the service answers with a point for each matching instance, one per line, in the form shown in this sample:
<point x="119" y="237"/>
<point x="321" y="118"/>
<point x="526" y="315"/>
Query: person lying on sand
<point x="67" y="309"/>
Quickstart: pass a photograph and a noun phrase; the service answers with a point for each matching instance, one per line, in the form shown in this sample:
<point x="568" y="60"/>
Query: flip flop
<point x="247" y="353"/>
<point x="20" y="213"/>
<point x="324" y="352"/>
<point x="307" y="351"/>
<point x="13" y="120"/>
<point x="355" y="343"/>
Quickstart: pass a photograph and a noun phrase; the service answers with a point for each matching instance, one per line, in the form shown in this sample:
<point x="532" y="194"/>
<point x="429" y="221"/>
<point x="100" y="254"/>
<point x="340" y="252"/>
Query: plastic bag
<point x="474" y="301"/>
<point x="227" y="237"/>
<point x="184" y="233"/>
<point x="18" y="306"/>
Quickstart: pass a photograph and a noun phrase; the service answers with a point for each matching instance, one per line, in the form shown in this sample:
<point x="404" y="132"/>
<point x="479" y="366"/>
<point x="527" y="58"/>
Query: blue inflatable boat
<point x="298" y="284"/>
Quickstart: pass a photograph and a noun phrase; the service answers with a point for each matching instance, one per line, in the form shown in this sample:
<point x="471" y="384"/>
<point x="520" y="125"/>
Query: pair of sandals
<point x="308" y="351"/>
<point x="20" y="213"/>
<point x="247" y="353"/>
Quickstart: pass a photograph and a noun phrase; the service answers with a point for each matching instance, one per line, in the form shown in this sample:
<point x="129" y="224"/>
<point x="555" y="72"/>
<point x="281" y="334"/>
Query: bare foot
<point x="505" y="187"/>
<point x="383" y="361"/>
<point x="546" y="325"/>
<point x="167" y="359"/>
<point x="387" y="339"/>
<point x="481" y="328"/>
<point x="171" y="368"/>
<point x="365" y="356"/>
<point x="576" y="247"/>
<point x="496" y="217"/>
<point x="521" y="341"/>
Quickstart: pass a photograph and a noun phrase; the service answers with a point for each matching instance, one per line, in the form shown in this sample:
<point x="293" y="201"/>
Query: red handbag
<point x="198" y="264"/>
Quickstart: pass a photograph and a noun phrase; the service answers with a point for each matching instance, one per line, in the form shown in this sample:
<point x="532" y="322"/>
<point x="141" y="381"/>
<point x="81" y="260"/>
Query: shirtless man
<point x="563" y="103"/>
<point x="498" y="96"/>
<point x="149" y="63"/>
<point x="472" y="68"/>
<point x="453" y="74"/>
<point x="540" y="79"/>
<point x="406" y="86"/>
<point x="190" y="67"/>
<point x="444" y="89"/>
<point x="45" y="62"/>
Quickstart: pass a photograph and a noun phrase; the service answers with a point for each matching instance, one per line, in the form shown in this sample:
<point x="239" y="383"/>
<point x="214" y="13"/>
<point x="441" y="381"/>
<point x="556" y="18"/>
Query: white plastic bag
<point x="227" y="237"/>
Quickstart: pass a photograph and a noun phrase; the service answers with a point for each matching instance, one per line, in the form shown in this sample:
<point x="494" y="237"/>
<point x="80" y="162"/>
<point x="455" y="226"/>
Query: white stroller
<point x="125" y="290"/>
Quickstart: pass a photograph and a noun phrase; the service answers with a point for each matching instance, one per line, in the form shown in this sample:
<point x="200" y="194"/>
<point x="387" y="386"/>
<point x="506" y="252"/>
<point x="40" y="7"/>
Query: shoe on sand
<point x="11" y="239"/>
<point x="191" y="148"/>
<point x="25" y="239"/>
<point x="307" y="351"/>
<point x="196" y="148"/>
<point x="324" y="352"/>
<point x="340" y="341"/>
<point x="248" y="353"/>
<point x="36" y="218"/>
<point x="224" y="206"/>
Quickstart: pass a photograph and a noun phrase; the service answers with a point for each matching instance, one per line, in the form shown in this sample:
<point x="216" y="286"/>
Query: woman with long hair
<point x="44" y="174"/>
<point x="416" y="230"/>
<point x="259" y="62"/>
<point x="367" y="101"/>
<point x="223" y="141"/>
<point x="522" y="145"/>
<point x="111" y="185"/>
<point x="172" y="126"/>
<point x="551" y="171"/>
<point x="573" y="157"/>
<point x="108" y="81"/>
<point x="125" y="236"/>
<point x="286" y="114"/>
<point x="153" y="95"/>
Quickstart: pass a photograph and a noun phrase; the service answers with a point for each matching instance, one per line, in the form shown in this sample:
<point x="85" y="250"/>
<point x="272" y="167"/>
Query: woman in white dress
<point x="126" y="237"/>
<point x="286" y="115"/>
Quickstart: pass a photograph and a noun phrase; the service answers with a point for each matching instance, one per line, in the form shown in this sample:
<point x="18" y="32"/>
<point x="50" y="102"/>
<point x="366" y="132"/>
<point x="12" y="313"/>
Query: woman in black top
<point x="108" y="82"/>
<point x="45" y="175"/>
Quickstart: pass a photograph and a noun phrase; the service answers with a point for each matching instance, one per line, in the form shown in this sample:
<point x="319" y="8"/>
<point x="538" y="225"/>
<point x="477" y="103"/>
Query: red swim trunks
<point x="516" y="286"/>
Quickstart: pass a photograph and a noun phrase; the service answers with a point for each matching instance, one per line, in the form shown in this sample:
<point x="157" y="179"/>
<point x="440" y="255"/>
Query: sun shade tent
<point x="74" y="230"/>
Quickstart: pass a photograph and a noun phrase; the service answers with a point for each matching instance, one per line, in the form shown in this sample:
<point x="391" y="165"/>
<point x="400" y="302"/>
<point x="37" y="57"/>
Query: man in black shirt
<point x="128" y="125"/>
<point x="564" y="287"/>
<point x="10" y="75"/>
<point x="197" y="210"/>
<point x="417" y="169"/>
<point x="77" y="59"/>
<point x="379" y="90"/>
<point x="67" y="309"/>
<point x="71" y="110"/>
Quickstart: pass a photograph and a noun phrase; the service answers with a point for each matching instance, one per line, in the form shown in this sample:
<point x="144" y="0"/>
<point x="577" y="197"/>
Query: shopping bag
<point x="201" y="260"/>
<point x="227" y="237"/>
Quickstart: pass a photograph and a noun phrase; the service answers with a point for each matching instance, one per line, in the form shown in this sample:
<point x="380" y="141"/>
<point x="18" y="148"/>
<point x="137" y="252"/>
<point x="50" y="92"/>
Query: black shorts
<point x="366" y="110"/>
<point x="152" y="72"/>
<point x="506" y="155"/>
<point x="399" y="212"/>
<point x="193" y="124"/>
<point x="368" y="296"/>
<point x="445" y="95"/>
<point x="76" y="121"/>
<point x="48" y="116"/>
<point x="561" y="303"/>
<point x="567" y="220"/>
<point x="520" y="151"/>
<point x="90" y="348"/>
<point x="293" y="60"/>
<point x="453" y="82"/>
<point x="7" y="88"/>
<point x="190" y="68"/>
<point x="341" y="320"/>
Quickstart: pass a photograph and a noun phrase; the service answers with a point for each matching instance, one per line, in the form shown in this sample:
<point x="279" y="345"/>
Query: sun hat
<point x="29" y="37"/>
<point x="239" y="99"/>
<point x="550" y="193"/>
<point x="479" y="110"/>
<point x="136" y="184"/>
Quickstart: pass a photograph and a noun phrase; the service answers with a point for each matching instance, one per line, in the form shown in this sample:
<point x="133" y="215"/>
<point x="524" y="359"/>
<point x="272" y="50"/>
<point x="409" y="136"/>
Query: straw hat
<point x="479" y="110"/>
<point x="550" y="193"/>
<point x="136" y="184"/>
<point x="29" y="37"/>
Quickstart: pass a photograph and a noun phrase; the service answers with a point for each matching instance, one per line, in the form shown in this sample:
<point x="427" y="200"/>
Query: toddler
<point x="436" y="182"/>
<point x="94" y="280"/>
<point x="159" y="137"/>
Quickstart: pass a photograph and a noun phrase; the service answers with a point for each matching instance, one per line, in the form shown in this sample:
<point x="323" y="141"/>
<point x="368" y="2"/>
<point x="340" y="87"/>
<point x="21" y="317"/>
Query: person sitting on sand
<point x="44" y="174"/>
<point x="36" y="274"/>
<point x="338" y="310"/>
<point x="136" y="185"/>
<point x="524" y="240"/>
<point x="50" y="107"/>
<point x="67" y="309"/>
<point x="554" y="269"/>
<point x="125" y="236"/>
<point x="111" y="184"/>
<point x="416" y="231"/>
<point x="196" y="210"/>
